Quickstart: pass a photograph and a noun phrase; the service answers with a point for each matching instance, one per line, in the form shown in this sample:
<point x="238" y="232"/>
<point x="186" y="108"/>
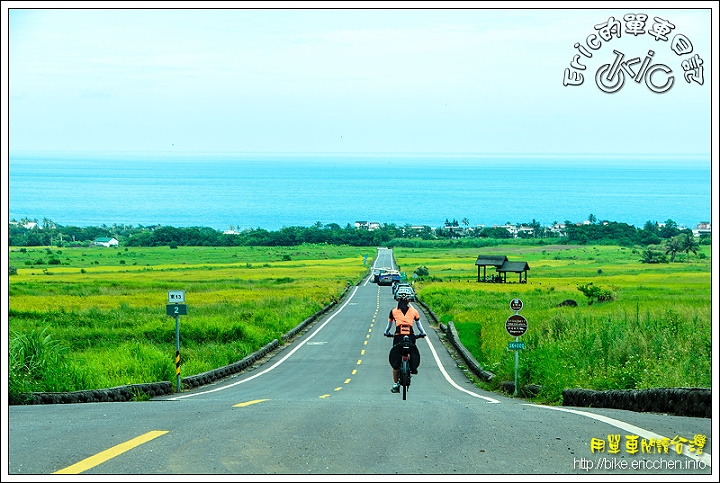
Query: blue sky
<point x="185" y="81"/>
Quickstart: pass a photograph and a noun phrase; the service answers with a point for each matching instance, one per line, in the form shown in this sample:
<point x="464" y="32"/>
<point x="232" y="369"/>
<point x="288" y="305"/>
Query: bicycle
<point x="405" y="372"/>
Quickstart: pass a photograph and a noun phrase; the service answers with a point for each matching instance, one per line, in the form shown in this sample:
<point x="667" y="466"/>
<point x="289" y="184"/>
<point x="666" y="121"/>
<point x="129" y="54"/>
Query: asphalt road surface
<point x="322" y="405"/>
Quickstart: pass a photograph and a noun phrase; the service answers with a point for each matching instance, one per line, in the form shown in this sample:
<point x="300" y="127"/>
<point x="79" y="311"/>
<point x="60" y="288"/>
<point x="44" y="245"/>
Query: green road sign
<point x="515" y="346"/>
<point x="176" y="309"/>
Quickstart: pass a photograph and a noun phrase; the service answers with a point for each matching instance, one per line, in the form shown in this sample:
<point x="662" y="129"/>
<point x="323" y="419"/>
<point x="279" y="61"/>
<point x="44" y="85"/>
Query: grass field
<point x="654" y="332"/>
<point x="93" y="322"/>
<point x="95" y="317"/>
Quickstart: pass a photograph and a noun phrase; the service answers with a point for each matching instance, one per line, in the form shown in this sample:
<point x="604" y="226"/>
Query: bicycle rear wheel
<point x="405" y="376"/>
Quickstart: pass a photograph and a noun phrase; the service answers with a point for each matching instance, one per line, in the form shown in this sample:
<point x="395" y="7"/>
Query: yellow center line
<point x="359" y="361"/>
<point x="347" y="380"/>
<point x="324" y="396"/>
<point x="248" y="403"/>
<point x="110" y="453"/>
<point x="354" y="371"/>
<point x="362" y="352"/>
<point x="338" y="388"/>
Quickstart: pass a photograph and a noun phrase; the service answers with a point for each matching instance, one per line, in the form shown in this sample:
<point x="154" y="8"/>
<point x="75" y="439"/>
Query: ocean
<point x="275" y="191"/>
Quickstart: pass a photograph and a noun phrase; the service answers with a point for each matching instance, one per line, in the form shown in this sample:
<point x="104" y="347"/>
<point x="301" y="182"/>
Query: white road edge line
<point x="278" y="362"/>
<point x="704" y="457"/>
<point x="449" y="379"/>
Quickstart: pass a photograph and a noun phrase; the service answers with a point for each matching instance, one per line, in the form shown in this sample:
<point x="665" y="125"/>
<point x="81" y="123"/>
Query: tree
<point x="672" y="247"/>
<point x="495" y="232"/>
<point x="669" y="230"/>
<point x="592" y="219"/>
<point x="651" y="226"/>
<point x="688" y="244"/>
<point x="536" y="227"/>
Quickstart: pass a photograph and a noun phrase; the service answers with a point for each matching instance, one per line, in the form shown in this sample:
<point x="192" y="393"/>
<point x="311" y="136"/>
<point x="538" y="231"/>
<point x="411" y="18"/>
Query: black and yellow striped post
<point x="177" y="353"/>
<point x="177" y="367"/>
<point x="177" y="310"/>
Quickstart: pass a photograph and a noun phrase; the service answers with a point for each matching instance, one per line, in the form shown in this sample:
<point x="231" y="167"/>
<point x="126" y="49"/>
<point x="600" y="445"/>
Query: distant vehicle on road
<point x="405" y="289"/>
<point x="396" y="285"/>
<point x="376" y="272"/>
<point x="387" y="277"/>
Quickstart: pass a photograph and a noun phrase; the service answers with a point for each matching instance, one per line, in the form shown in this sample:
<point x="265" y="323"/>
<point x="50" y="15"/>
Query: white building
<point x="702" y="228"/>
<point x="106" y="242"/>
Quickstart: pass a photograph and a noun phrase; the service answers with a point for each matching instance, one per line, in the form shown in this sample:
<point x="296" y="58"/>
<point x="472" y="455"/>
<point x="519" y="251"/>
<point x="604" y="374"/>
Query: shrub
<point x="422" y="271"/>
<point x="596" y="294"/>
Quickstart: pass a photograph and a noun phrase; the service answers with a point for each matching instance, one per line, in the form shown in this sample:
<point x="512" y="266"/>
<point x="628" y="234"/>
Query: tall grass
<point x="92" y="323"/>
<point x="655" y="333"/>
<point x="82" y="325"/>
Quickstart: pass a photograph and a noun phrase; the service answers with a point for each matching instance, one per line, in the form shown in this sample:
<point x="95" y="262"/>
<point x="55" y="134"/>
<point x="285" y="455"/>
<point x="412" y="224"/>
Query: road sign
<point x="176" y="309"/>
<point x="176" y="296"/>
<point x="514" y="346"/>
<point x="516" y="325"/>
<point x="516" y="304"/>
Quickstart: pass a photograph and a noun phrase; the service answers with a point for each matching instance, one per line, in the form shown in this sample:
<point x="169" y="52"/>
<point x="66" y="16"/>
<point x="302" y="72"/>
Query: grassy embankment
<point x="655" y="333"/>
<point x="97" y="319"/>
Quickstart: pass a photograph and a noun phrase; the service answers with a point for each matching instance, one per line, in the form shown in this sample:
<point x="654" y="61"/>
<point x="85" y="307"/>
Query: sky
<point x="274" y="79"/>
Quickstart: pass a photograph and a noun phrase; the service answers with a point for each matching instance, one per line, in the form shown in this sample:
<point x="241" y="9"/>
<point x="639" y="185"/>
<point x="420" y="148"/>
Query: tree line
<point x="49" y="233"/>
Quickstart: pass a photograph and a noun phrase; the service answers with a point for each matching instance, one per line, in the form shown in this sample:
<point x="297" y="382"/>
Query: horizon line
<point x="50" y="153"/>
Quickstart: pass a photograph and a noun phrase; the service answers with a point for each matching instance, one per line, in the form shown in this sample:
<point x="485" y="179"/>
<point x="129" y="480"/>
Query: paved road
<point x="322" y="405"/>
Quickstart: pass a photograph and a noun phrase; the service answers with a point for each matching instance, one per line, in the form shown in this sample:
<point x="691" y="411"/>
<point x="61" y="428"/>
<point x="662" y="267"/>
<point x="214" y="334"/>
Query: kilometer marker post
<point x="176" y="307"/>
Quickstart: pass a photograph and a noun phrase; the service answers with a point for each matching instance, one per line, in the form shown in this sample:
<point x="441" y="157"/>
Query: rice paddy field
<point x="98" y="318"/>
<point x="654" y="329"/>
<point x="94" y="317"/>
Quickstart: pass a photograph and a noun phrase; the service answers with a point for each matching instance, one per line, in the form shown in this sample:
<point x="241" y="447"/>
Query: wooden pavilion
<point x="502" y="267"/>
<point x="520" y="268"/>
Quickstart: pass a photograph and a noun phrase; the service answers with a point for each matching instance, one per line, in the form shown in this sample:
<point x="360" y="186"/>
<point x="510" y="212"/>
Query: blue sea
<point x="275" y="191"/>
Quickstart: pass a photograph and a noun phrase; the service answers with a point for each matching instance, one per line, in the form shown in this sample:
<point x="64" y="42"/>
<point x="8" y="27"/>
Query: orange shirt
<point x="404" y="322"/>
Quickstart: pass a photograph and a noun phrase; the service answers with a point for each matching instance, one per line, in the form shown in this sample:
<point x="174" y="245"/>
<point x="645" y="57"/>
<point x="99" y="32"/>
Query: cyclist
<point x="404" y="316"/>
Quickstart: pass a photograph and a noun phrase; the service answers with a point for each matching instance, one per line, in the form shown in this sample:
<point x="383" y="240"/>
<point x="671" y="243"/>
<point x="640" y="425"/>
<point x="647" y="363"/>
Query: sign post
<point x="176" y="307"/>
<point x="516" y="325"/>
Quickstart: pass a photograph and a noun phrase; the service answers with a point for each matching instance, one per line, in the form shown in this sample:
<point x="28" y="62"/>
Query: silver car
<point x="406" y="290"/>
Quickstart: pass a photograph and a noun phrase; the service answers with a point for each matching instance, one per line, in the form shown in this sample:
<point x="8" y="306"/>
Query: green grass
<point x="655" y="333"/>
<point x="91" y="322"/>
<point x="88" y="325"/>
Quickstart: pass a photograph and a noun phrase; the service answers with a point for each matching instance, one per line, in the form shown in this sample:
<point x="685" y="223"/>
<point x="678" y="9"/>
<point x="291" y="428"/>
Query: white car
<point x="405" y="290"/>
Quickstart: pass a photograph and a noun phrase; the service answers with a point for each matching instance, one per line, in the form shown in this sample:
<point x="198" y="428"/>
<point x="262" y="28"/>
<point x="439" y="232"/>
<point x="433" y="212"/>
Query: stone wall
<point x="693" y="401"/>
<point x="113" y="394"/>
<point x="681" y="401"/>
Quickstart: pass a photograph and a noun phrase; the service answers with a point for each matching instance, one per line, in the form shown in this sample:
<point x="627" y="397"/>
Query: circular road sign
<point x="516" y="304"/>
<point x="516" y="325"/>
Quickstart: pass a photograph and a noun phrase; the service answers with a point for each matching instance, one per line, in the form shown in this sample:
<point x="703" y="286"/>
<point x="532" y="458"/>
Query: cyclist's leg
<point x="414" y="355"/>
<point x="394" y="359"/>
